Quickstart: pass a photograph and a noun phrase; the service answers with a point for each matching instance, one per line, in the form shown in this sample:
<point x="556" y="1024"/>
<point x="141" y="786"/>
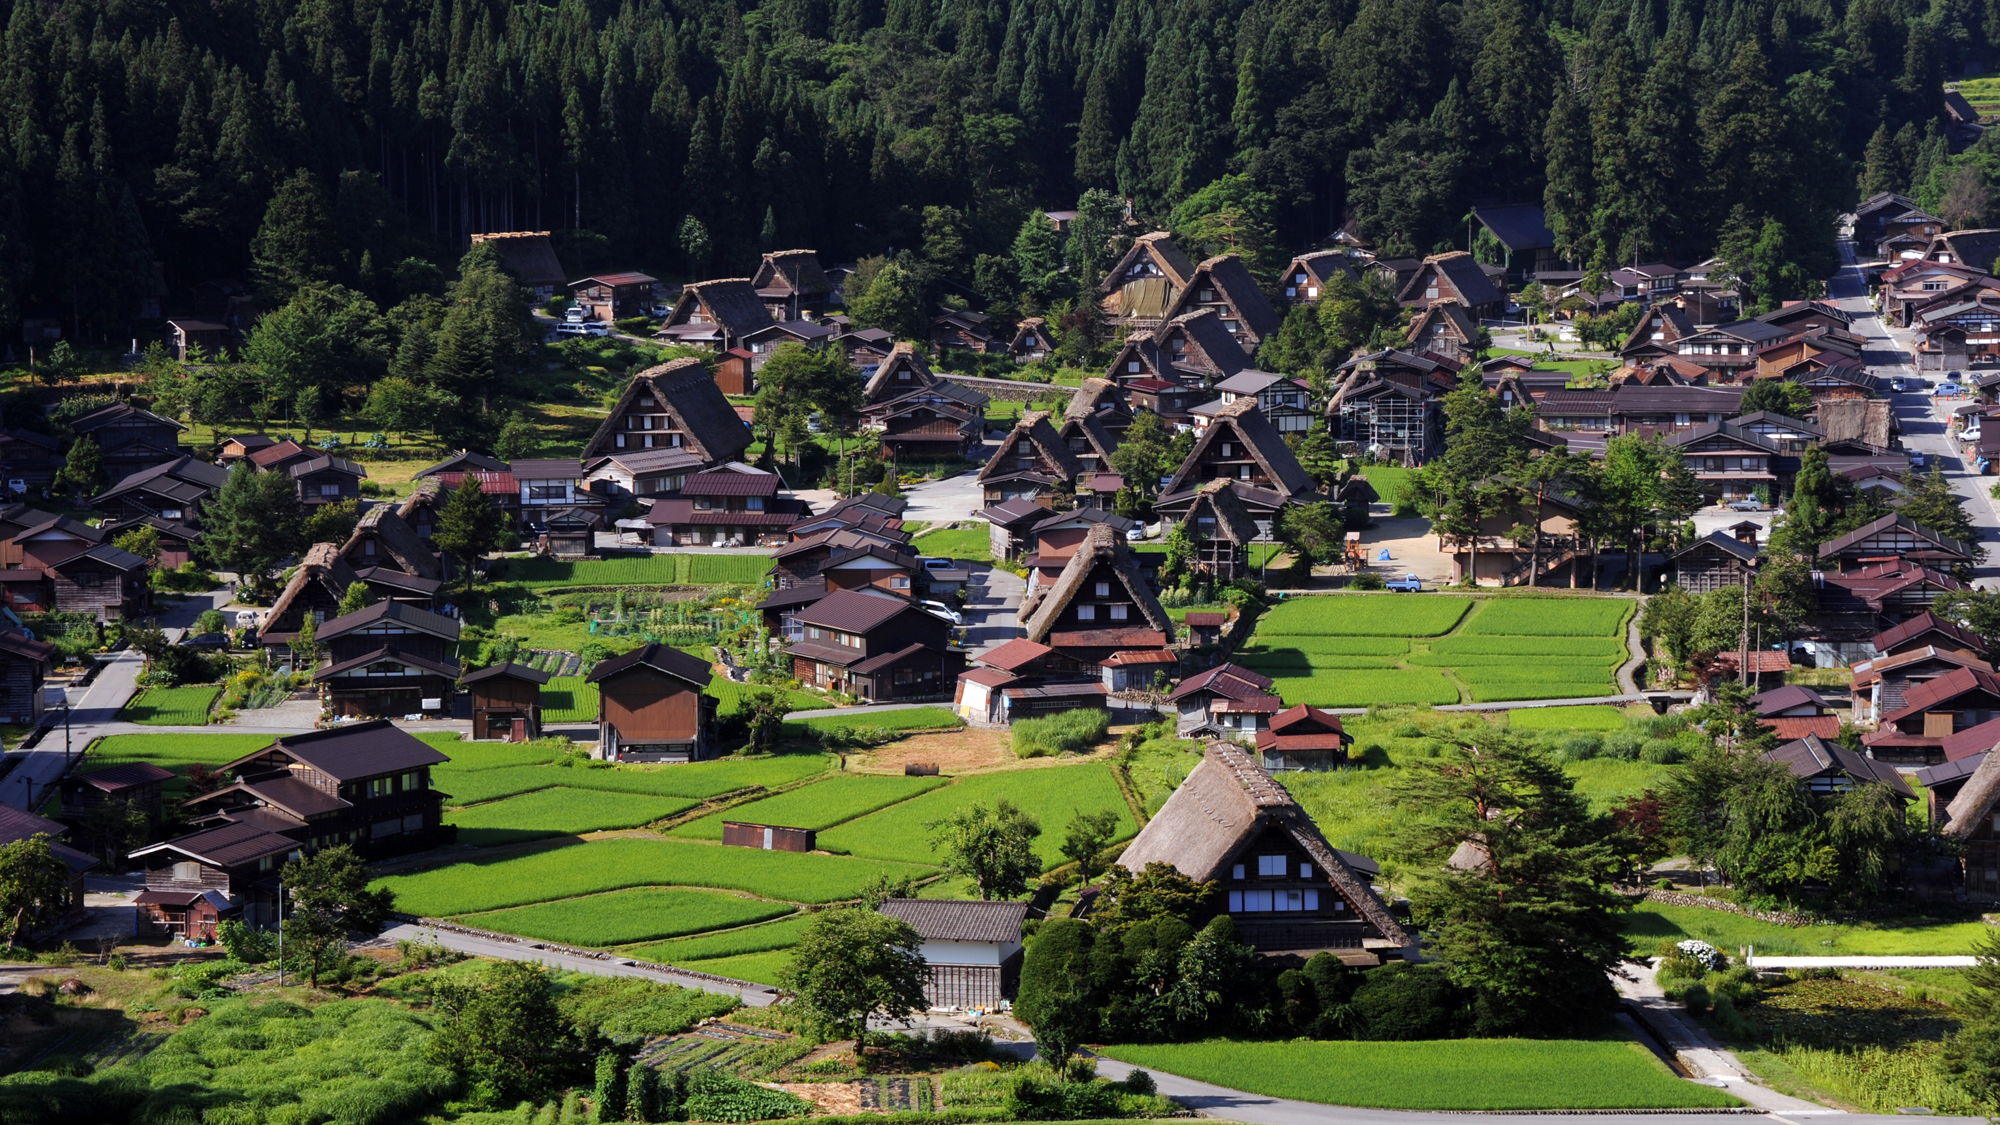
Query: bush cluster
<point x="1070" y="732"/>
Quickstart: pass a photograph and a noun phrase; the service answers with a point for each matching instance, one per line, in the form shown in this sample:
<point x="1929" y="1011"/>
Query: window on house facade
<point x="1236" y="872"/>
<point x="1430" y="292"/>
<point x="187" y="872"/>
<point x="1086" y="613"/>
<point x="899" y="582"/>
<point x="1257" y="902"/>
<point x="1118" y="613"/>
<point x="1270" y="865"/>
<point x="329" y="490"/>
<point x="1103" y="589"/>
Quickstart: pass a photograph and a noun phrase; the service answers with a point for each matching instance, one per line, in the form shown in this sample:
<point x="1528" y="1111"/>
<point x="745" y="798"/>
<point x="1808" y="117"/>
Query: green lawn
<point x="698" y="781"/>
<point x="1052" y="796"/>
<point x="172" y="707"/>
<point x="760" y="968"/>
<point x="970" y="543"/>
<point x="1365" y="615"/>
<point x="621" y="917"/>
<point x="608" y="865"/>
<point x="1386" y="479"/>
<point x="1653" y="922"/>
<point x="820" y="805"/>
<point x="174" y="752"/>
<point x="558" y="812"/>
<point x="1586" y="717"/>
<point x="782" y="934"/>
<point x="1450" y="1074"/>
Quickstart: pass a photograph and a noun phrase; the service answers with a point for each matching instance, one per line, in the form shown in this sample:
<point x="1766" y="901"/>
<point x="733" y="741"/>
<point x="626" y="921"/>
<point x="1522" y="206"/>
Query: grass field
<point x="174" y="752"/>
<point x="478" y="757"/>
<point x="1459" y="644"/>
<point x="1362" y="687"/>
<point x="822" y="804"/>
<point x="972" y="543"/>
<point x="172" y="707"/>
<point x="1053" y="796"/>
<point x="1549" y="617"/>
<point x="762" y="968"/>
<point x="1587" y="717"/>
<point x="622" y="917"/>
<point x="1652" y="922"/>
<point x="1366" y="615"/>
<point x="729" y="697"/>
<point x="558" y="812"/>
<point x="1334" y="646"/>
<point x="698" y="781"/>
<point x="909" y="718"/>
<point x="1457" y="1074"/>
<point x="1387" y="480"/>
<point x="609" y="865"/>
<point x="647" y="570"/>
<point x="782" y="934"/>
<point x="569" y="699"/>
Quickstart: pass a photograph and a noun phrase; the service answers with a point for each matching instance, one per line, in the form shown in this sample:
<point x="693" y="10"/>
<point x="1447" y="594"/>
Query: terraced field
<point x="1345" y="651"/>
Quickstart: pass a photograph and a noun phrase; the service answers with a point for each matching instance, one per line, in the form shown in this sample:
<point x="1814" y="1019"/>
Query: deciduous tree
<point x="853" y="964"/>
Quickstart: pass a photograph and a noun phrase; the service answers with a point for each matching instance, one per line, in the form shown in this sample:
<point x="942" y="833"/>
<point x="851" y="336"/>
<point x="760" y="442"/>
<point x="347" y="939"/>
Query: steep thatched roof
<point x="1046" y="446"/>
<point x="1103" y="544"/>
<point x="1091" y="428"/>
<point x="1224" y="804"/>
<point x="1094" y="395"/>
<point x="687" y="390"/>
<point x="731" y="301"/>
<point x="405" y="548"/>
<point x="1244" y="421"/>
<point x="1217" y="498"/>
<point x="1975" y="802"/>
<point x="1160" y="248"/>
<point x="322" y="564"/>
<point x="1232" y="281"/>
<point x="796" y="270"/>
<point x="884" y="384"/>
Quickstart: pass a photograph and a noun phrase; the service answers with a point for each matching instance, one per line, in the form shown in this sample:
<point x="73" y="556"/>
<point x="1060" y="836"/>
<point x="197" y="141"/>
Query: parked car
<point x="573" y="315"/>
<point x="1746" y="504"/>
<point x="1136" y="533"/>
<point x="567" y="329"/>
<point x="1918" y="460"/>
<point x="1946" y="390"/>
<point x="1900" y="385"/>
<point x="941" y="564"/>
<point x="1407" y="584"/>
<point x="942" y="610"/>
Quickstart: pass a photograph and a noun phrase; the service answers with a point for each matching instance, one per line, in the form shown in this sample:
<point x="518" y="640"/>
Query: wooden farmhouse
<point x="1927" y="630"/>
<point x="649" y="473"/>
<point x="531" y="257"/>
<point x="919" y="416"/>
<point x="1309" y="276"/>
<point x="1897" y="537"/>
<point x="799" y="562"/>
<point x="1023" y="680"/>
<point x="1054" y="538"/>
<point x="873" y="567"/>
<point x="15" y="520"/>
<point x="1794" y="712"/>
<point x="1825" y="767"/>
<point x="389" y="659"/>
<point x="314" y="591"/>
<point x="185" y="336"/>
<point x="1011" y="533"/>
<point x="1932" y="712"/>
<point x="327" y="480"/>
<point x="24" y="670"/>
<point x="365" y="785"/>
<point x="1288" y="891"/>
<point x="1031" y="341"/>
<point x="135" y="784"/>
<point x="675" y="405"/>
<point x="280" y="457"/>
<point x="1223" y="529"/>
<point x="506" y="702"/>
<point x="1715" y="561"/>
<point x="1303" y="738"/>
<point x="1226" y="701"/>
<point x="173" y="490"/>
<point x="1453" y="276"/>
<point x="381" y="539"/>
<point x="607" y="298"/>
<point x="763" y="343"/>
<point x="1881" y="684"/>
<point x="1031" y="464"/>
<point x="1729" y="463"/>
<point x="102" y="581"/>
<point x="131" y="439"/>
<point x="1653" y="338"/>
<point x="1193" y="350"/>
<point x="792" y="285"/>
<point x="1445" y="329"/>
<point x="1223" y="285"/>
<point x="1241" y="447"/>
<point x="1100" y="616"/>
<point x="875" y="646"/>
<point x="973" y="949"/>
<point x="1283" y="401"/>
<point x="1971" y="821"/>
<point x="651" y="707"/>
<point x="1391" y="402"/>
<point x="729" y="504"/>
<point x="1140" y="288"/>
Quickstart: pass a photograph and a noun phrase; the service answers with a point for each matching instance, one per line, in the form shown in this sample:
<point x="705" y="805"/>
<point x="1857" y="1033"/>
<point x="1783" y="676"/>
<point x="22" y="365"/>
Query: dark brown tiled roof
<point x="852" y="611"/>
<point x="354" y="751"/>
<point x="113" y="778"/>
<point x="1813" y="756"/>
<point x="948" y="920"/>
<point x="510" y="670"/>
<point x="658" y="657"/>
<point x="19" y="824"/>
<point x="386" y="652"/>
<point x="231" y="845"/>
<point x="421" y="620"/>
<point x="1923" y="623"/>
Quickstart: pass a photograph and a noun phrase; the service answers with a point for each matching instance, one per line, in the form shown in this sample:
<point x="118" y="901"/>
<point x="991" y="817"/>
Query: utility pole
<point x="1743" y="662"/>
<point x="281" y="934"/>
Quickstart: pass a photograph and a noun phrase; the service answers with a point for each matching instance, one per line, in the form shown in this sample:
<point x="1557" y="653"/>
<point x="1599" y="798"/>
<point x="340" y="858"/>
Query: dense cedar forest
<point x="155" y="131"/>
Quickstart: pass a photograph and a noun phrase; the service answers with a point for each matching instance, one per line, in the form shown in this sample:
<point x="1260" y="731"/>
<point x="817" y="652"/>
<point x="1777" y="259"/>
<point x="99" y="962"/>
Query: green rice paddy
<point x="1052" y="796"/>
<point x="172" y="707"/>
<point x="558" y="812"/>
<point x="1456" y="1074"/>
<point x="621" y="917"/>
<point x="819" y="805"/>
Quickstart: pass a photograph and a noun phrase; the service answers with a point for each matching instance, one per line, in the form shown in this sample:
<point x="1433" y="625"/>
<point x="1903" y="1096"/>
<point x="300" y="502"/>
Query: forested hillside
<point x="142" y="132"/>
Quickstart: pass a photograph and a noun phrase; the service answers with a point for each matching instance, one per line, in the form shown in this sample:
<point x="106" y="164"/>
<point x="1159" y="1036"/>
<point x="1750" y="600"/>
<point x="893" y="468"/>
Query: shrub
<point x="1661" y="751"/>
<point x="1367" y="580"/>
<point x="1696" y="998"/>
<point x="1582" y="747"/>
<point x="1067" y="733"/>
<point x="1624" y="746"/>
<point x="1405" y="1001"/>
<point x="1140" y="1082"/>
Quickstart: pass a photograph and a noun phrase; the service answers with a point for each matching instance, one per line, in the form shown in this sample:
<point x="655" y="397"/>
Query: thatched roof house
<point x="1287" y="889"/>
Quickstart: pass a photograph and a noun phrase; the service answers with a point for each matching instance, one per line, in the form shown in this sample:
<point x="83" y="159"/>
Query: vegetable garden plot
<point x="621" y="917"/>
<point x="821" y="804"/>
<point x="1364" y="615"/>
<point x="1363" y="687"/>
<point x="1052" y="796"/>
<point x="172" y="707"/>
<point x="1459" y="644"/>
<point x="1549" y="617"/>
<point x="609" y="865"/>
<point x="558" y="812"/>
<point x="782" y="934"/>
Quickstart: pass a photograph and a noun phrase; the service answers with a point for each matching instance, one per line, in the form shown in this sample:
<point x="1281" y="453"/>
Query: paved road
<point x="1862" y="962"/>
<point x="752" y="995"/>
<point x="945" y="502"/>
<point x="1888" y="353"/>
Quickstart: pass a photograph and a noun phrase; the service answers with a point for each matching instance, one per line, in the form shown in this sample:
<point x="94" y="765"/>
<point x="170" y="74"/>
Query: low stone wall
<point x="1008" y="389"/>
<point x="1776" y="917"/>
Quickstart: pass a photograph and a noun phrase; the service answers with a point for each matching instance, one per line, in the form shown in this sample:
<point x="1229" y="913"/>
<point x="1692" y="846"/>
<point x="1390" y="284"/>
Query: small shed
<point x="194" y="915"/>
<point x="572" y="532"/>
<point x="506" y="702"/>
<point x="973" y="948"/>
<point x="1205" y="629"/>
<point x="733" y="372"/>
<point x="136" y="784"/>
<point x="769" y="837"/>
